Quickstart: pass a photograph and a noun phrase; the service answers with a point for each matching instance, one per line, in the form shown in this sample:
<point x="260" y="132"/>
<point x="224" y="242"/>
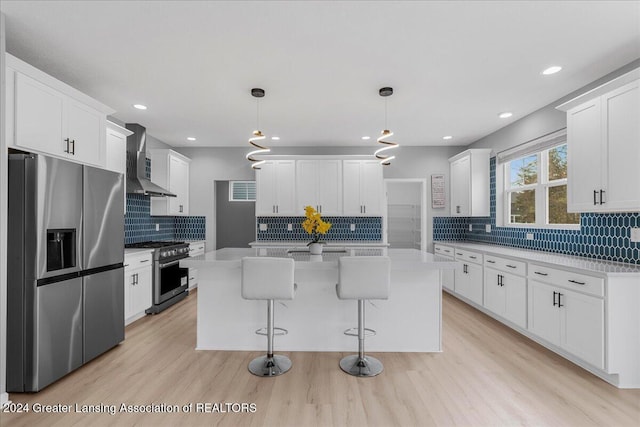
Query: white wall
<point x="543" y="121"/>
<point x="211" y="164"/>
<point x="3" y="223"/>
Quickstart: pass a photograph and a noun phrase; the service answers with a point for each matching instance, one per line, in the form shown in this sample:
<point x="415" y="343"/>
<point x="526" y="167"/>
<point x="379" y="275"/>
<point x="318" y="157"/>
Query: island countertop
<point x="400" y="258"/>
<point x="409" y="321"/>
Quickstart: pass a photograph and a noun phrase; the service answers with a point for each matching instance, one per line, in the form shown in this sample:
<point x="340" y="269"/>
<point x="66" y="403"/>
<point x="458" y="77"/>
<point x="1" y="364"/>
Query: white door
<point x="351" y="188"/>
<point x="178" y="184"/>
<point x="460" y="186"/>
<point x="86" y="133"/>
<point x="307" y="184"/>
<point x="371" y="188"/>
<point x="622" y="138"/>
<point x="39" y="115"/>
<point x="116" y="148"/>
<point x="266" y="189"/>
<point x="330" y="187"/>
<point x="141" y="292"/>
<point x="582" y="326"/>
<point x="544" y="316"/>
<point x="494" y="294"/>
<point x="515" y="291"/>
<point x="584" y="157"/>
<point x="286" y="188"/>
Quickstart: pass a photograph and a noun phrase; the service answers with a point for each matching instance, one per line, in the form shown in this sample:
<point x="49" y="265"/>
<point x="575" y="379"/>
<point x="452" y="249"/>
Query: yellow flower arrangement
<point x="314" y="225"/>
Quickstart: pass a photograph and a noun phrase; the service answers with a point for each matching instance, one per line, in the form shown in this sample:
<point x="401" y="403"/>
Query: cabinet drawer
<point x="470" y="256"/>
<point x="443" y="250"/>
<point x="196" y="249"/>
<point x="567" y="279"/>
<point x="505" y="264"/>
<point x="137" y="260"/>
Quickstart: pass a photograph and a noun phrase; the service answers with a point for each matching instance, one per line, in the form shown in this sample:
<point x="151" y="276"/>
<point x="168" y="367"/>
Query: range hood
<point x="137" y="181"/>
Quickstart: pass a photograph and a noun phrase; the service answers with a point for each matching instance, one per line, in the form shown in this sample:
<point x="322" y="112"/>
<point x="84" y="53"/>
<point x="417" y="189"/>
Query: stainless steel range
<point x="170" y="281"/>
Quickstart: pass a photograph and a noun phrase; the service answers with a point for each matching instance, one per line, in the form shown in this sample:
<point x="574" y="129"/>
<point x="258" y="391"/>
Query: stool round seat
<point x="363" y="278"/>
<point x="268" y="279"/>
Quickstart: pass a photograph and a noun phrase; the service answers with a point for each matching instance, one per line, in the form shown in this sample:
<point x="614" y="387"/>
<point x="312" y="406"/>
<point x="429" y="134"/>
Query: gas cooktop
<point x="152" y="245"/>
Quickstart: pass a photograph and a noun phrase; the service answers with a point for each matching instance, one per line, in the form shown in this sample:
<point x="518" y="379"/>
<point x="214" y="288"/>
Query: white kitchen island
<point x="409" y="321"/>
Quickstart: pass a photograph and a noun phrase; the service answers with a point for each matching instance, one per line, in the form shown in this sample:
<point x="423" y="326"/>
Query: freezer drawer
<point x="103" y="312"/>
<point x="58" y="333"/>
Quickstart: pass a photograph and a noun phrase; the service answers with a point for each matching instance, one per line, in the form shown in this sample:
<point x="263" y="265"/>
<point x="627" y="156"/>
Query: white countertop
<point x="338" y="243"/>
<point x="609" y="268"/>
<point x="400" y="258"/>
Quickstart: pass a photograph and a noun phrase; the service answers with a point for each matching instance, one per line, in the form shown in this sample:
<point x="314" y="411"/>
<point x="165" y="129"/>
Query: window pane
<point x="522" y="208"/>
<point x="557" y="200"/>
<point x="558" y="162"/>
<point x="524" y="171"/>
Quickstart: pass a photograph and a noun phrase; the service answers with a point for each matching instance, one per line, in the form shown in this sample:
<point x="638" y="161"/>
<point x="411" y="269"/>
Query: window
<point x="242" y="191"/>
<point x="535" y="190"/>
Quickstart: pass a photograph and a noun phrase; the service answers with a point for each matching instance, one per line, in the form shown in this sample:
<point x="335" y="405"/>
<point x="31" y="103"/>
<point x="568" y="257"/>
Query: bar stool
<point x="363" y="278"/>
<point x="269" y="279"/>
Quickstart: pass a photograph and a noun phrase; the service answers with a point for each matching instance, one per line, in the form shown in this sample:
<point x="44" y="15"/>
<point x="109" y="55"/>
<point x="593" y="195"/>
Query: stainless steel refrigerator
<point x="65" y="253"/>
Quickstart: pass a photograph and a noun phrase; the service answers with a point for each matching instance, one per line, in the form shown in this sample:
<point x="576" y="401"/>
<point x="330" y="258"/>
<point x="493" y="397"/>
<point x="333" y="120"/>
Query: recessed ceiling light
<point x="505" y="115"/>
<point x="275" y="138"/>
<point x="140" y="106"/>
<point x="552" y="70"/>
<point x="447" y="137"/>
<point x="190" y="138"/>
<point x="366" y="138"/>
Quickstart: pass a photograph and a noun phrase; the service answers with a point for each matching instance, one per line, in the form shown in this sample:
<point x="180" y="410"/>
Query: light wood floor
<point x="487" y="375"/>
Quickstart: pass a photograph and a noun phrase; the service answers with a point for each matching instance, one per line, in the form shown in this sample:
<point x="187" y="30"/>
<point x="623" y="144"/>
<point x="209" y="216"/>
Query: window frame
<point x="541" y="189"/>
<point x="245" y="182"/>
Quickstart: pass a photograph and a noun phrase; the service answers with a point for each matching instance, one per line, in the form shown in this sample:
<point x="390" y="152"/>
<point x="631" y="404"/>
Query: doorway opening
<point x="406" y="213"/>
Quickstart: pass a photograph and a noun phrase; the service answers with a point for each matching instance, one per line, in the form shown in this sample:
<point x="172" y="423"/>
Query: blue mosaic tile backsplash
<point x="601" y="236"/>
<point x="367" y="228"/>
<point x="140" y="226"/>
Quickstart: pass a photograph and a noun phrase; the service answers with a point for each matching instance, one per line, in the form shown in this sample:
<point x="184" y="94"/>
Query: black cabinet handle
<point x="554" y="298"/>
<point x="602" y="198"/>
<point x="458" y="253"/>
<point x="67" y="141"/>
<point x="540" y="274"/>
<point x="472" y="257"/>
<point x="511" y="266"/>
<point x="491" y="262"/>
<point x="559" y="300"/>
<point x="73" y="147"/>
<point x="576" y="282"/>
<point x="594" y="197"/>
<point x="447" y="250"/>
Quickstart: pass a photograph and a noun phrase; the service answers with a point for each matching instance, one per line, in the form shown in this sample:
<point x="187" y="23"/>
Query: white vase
<point x="315" y="248"/>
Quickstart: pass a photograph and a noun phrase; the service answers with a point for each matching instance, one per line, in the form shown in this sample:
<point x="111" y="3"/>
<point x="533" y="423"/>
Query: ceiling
<point x="453" y="65"/>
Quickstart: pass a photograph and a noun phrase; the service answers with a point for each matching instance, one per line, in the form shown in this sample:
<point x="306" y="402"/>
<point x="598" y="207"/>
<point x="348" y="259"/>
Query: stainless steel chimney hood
<point x="137" y="181"/>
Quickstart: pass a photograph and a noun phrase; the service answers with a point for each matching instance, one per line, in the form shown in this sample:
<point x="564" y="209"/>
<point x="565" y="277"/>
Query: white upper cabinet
<point x="603" y="137"/>
<point x="363" y="188"/>
<point x="49" y="117"/>
<point x="170" y="170"/>
<point x="319" y="184"/>
<point x="276" y="189"/>
<point x="116" y="142"/>
<point x="469" y="175"/>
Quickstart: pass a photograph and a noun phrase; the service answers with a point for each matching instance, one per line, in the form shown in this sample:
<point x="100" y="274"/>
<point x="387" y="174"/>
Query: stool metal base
<point x="366" y="366"/>
<point x="265" y="366"/>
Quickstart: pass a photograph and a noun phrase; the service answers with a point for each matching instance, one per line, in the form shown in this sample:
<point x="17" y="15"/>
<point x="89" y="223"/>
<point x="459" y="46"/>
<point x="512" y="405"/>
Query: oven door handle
<point x="169" y="264"/>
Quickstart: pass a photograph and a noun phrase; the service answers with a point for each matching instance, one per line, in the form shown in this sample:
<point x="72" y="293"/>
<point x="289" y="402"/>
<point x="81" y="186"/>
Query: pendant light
<point x="257" y="134"/>
<point x="385" y="159"/>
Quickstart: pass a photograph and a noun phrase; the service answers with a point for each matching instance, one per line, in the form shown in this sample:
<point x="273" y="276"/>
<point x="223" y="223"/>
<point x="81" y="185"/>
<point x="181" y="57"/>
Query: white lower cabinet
<point x="138" y="276"/>
<point x="568" y="319"/>
<point x="505" y="294"/>
<point x="468" y="278"/>
<point x="195" y="249"/>
<point x="447" y="277"/>
<point x="588" y="313"/>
